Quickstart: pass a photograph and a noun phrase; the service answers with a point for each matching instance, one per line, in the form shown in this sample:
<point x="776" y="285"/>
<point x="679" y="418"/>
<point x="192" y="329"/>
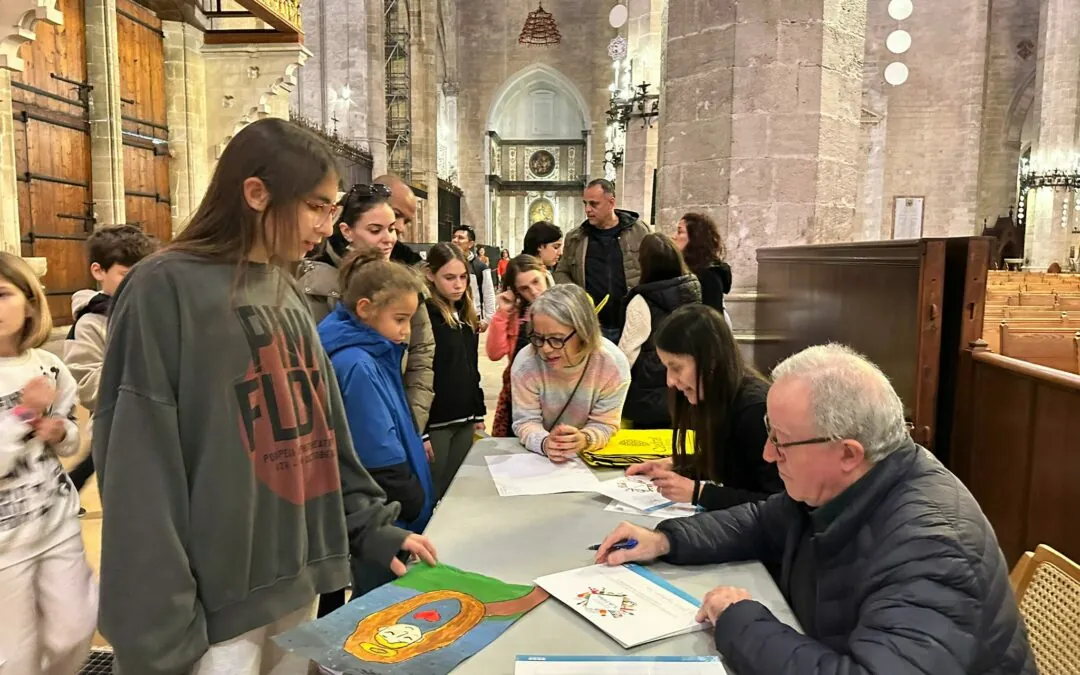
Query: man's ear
<point x="256" y="195"/>
<point x="853" y="455"/>
<point x="97" y="271"/>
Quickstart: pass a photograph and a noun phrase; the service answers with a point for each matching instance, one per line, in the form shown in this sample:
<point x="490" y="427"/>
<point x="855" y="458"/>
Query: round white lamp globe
<point x="898" y="42"/>
<point x="896" y="73"/>
<point x="618" y="16"/>
<point x="900" y="9"/>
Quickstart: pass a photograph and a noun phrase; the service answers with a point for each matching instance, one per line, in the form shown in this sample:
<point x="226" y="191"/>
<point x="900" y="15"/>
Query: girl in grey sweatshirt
<point x="231" y="493"/>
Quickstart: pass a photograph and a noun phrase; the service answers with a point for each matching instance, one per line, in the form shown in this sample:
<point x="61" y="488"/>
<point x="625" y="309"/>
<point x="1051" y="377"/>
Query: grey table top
<point x="518" y="539"/>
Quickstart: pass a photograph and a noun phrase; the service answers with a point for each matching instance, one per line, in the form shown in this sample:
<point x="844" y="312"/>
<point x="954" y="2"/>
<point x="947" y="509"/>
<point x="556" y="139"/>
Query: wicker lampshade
<point x="540" y="29"/>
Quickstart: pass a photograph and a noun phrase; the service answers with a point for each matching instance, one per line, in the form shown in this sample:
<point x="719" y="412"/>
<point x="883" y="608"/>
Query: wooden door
<point x="51" y="102"/>
<point x="145" y="130"/>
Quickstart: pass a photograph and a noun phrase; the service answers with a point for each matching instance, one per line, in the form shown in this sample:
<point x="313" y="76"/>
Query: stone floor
<point x="491" y="379"/>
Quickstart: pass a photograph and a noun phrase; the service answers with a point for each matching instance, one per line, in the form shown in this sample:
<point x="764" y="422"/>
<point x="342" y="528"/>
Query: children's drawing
<point x="605" y="603"/>
<point x="635" y="484"/>
<point x="428" y="621"/>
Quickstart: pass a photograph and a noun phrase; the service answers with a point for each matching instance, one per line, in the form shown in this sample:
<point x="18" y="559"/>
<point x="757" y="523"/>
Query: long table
<point x="518" y="539"/>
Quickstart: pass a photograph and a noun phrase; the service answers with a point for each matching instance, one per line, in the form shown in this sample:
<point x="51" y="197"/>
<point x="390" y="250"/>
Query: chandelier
<point x="540" y="29"/>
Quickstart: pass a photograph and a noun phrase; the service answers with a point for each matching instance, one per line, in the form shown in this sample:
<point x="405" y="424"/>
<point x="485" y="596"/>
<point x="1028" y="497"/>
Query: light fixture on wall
<point x="898" y="42"/>
<point x="540" y="29"/>
<point x="900" y="9"/>
<point x="896" y="73"/>
<point x="1065" y="175"/>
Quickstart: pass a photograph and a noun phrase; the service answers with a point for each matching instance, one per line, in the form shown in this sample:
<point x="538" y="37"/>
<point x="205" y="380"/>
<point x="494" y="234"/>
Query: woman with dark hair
<point x="665" y="286"/>
<point x="698" y="238"/>
<point x="368" y="222"/>
<point x="722" y="401"/>
<point x="252" y="499"/>
<point x="544" y="240"/>
<point x="525" y="280"/>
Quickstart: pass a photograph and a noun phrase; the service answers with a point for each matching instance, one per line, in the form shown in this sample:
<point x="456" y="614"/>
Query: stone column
<point x="185" y="104"/>
<point x="376" y="91"/>
<point x="639" y="160"/>
<point x="425" y="115"/>
<point x="106" y="130"/>
<point x="1058" y="84"/>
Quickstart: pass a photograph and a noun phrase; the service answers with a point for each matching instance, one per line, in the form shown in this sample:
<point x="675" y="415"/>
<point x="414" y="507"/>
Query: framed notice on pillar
<point x="908" y="217"/>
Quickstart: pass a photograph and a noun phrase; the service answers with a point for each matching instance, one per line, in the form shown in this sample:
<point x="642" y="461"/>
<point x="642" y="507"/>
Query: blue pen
<point x="621" y="546"/>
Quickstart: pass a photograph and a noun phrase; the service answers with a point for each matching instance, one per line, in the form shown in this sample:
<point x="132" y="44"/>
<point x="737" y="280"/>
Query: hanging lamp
<point x="540" y="29"/>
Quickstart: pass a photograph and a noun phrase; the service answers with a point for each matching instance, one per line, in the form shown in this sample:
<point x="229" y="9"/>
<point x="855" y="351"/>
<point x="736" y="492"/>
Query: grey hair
<point x="607" y="186"/>
<point x="571" y="306"/>
<point x="849" y="397"/>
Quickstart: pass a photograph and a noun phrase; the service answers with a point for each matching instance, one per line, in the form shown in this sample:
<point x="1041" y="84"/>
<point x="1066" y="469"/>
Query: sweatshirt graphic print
<point x="284" y="416"/>
<point x="38" y="504"/>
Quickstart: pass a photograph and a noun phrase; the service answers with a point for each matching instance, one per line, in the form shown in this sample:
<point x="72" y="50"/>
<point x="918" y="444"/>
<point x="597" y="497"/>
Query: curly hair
<point x="703" y="247"/>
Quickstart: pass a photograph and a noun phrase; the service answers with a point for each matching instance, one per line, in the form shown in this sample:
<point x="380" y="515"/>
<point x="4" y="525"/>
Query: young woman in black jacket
<point x="698" y="238"/>
<point x="721" y="401"/>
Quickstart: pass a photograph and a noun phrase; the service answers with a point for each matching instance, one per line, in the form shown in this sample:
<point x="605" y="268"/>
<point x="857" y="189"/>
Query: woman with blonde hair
<point x="569" y="384"/>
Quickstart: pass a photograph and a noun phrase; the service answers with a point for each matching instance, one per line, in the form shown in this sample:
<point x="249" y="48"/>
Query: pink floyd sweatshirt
<point x="231" y="493"/>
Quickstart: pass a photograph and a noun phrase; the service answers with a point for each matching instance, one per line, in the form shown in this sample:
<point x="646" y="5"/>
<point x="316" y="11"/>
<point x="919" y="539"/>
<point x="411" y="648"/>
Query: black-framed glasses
<point x="538" y="341"/>
<point x="791" y="444"/>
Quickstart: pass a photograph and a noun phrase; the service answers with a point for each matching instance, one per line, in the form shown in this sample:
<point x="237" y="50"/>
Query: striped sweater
<point x="540" y="392"/>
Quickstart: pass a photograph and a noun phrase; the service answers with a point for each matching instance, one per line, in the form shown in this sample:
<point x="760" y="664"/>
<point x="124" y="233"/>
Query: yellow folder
<point x="632" y="446"/>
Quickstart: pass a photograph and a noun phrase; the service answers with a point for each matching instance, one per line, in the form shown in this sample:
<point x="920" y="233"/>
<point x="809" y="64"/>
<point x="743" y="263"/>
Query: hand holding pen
<point x="630" y="543"/>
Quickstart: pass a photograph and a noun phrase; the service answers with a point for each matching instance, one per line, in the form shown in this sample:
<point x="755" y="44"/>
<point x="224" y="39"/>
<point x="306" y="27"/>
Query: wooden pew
<point x="1050" y="347"/>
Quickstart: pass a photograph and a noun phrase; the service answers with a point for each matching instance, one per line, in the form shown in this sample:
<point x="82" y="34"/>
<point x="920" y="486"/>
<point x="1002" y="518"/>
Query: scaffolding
<point x="398" y="90"/>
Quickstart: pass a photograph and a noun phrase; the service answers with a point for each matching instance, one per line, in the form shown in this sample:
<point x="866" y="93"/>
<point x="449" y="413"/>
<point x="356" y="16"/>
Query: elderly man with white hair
<point x="884" y="556"/>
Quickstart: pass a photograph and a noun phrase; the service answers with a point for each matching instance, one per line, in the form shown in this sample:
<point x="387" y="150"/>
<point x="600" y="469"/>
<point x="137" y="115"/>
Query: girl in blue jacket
<point x="366" y="337"/>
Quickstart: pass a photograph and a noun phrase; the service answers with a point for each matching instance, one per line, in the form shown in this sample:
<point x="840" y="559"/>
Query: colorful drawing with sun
<point x="428" y="621"/>
<point x="604" y="603"/>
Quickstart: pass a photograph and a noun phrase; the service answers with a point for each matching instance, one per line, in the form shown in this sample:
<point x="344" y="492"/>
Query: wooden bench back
<point x="1051" y="347"/>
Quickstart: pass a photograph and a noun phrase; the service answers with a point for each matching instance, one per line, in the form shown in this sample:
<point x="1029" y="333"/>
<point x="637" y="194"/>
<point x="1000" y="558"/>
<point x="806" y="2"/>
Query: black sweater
<point x="458" y="396"/>
<point x="737" y="459"/>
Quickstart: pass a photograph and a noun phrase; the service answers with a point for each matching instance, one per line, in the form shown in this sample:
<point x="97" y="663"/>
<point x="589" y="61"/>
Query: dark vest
<point x="647" y="401"/>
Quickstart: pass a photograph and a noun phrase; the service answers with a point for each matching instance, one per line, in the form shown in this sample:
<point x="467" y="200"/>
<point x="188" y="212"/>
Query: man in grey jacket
<point x="884" y="556"/>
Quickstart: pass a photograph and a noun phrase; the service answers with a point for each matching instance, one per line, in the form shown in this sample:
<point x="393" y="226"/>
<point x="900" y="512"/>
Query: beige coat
<point x="571" y="267"/>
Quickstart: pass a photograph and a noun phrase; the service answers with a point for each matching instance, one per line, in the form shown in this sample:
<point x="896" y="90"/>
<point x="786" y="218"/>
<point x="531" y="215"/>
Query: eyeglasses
<point x="538" y="341"/>
<point x="809" y="441"/>
<point x="328" y="211"/>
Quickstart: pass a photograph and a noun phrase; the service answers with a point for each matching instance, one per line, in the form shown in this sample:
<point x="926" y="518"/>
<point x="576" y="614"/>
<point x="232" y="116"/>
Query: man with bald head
<point x="883" y="555"/>
<point x="403" y="201"/>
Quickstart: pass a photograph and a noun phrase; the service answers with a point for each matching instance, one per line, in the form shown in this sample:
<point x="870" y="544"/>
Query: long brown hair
<point x="290" y="161"/>
<point x="700" y="332"/>
<point x="438" y="257"/>
<point x="660" y="259"/>
<point x="520" y="265"/>
<point x="703" y="247"/>
<point x="38" y="323"/>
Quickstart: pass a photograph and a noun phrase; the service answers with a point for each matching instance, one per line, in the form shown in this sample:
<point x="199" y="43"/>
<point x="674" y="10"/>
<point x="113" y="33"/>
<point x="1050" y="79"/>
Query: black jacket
<point x="458" y="397"/>
<point x="909" y="579"/>
<point x="737" y="458"/>
<point x="605" y="269"/>
<point x="647" y="399"/>
<point x="715" y="284"/>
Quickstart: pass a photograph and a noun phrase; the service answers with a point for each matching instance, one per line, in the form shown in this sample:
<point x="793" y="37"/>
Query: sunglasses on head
<point x="362" y="191"/>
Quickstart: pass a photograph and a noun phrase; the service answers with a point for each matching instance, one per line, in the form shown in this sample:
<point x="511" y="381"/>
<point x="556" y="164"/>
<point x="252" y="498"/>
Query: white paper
<point x="618" y="665"/>
<point x="629" y="603"/>
<point x="528" y="473"/>
<point x="636" y="491"/>
<point x="673" y="511"/>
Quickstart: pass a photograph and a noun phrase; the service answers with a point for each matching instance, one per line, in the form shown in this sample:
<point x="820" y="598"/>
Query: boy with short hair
<point x="112" y="251"/>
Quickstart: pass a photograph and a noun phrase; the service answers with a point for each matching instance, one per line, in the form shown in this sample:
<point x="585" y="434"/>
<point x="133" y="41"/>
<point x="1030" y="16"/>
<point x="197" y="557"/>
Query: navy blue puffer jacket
<point x="910" y="579"/>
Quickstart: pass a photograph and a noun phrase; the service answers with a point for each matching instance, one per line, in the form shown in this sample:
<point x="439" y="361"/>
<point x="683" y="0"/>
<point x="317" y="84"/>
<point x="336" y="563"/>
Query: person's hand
<point x="673" y="486"/>
<point x="650" y="467"/>
<point x="564" y="443"/>
<point x="719" y="599"/>
<point x="420" y="547"/>
<point x="38" y="394"/>
<point x="50" y="430"/>
<point x="553" y="451"/>
<point x="429" y="451"/>
<point x="506" y="301"/>
<point x="650" y="545"/>
<point x="479" y="426"/>
<point x="483" y="327"/>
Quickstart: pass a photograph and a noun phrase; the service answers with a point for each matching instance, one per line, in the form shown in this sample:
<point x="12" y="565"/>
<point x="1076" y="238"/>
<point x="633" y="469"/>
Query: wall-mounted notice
<point x="908" y="217"/>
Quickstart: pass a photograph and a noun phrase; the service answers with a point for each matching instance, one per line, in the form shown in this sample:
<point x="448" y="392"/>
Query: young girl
<point x="368" y="222"/>
<point x="231" y="492"/>
<point x="458" y="410"/>
<point x="720" y="399"/>
<point x="525" y="280"/>
<point x="665" y="286"/>
<point x="46" y="586"/>
<point x="569" y="384"/>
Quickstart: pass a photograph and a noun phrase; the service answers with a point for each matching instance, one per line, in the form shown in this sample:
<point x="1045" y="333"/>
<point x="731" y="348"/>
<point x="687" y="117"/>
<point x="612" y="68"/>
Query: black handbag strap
<point x="573" y="393"/>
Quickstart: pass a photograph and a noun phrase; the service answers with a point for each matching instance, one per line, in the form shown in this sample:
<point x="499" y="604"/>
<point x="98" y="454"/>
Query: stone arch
<point x="1019" y="109"/>
<point x="535" y="77"/>
<point x="17" y="19"/>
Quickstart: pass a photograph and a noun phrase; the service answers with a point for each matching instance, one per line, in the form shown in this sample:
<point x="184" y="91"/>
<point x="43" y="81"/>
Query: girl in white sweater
<point x="47" y="590"/>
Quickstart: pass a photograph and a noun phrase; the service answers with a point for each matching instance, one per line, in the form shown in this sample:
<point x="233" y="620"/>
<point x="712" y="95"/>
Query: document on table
<point x="673" y="511"/>
<point x="618" y="665"/>
<point x="636" y="491"/>
<point x="632" y="604"/>
<point x="527" y="473"/>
